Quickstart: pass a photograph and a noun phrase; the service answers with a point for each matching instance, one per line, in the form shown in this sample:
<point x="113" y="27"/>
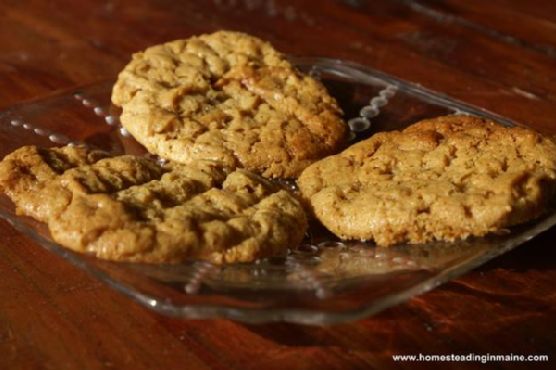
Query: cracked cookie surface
<point x="445" y="178"/>
<point x="129" y="208"/>
<point x="231" y="98"/>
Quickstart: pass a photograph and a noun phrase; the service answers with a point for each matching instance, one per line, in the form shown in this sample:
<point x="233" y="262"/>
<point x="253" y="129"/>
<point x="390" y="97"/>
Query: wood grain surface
<point x="498" y="54"/>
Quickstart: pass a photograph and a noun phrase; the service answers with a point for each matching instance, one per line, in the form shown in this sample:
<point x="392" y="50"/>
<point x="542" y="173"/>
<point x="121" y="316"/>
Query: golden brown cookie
<point x="231" y="98"/>
<point x="25" y="173"/>
<point x="129" y="208"/>
<point x="440" y="179"/>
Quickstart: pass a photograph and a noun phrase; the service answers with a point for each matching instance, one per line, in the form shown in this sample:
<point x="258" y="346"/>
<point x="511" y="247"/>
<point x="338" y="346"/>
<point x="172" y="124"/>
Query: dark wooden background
<point x="499" y="54"/>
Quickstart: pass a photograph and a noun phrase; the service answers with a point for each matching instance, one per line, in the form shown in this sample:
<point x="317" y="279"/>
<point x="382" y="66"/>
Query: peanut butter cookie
<point x="445" y="178"/>
<point x="231" y="98"/>
<point x="129" y="208"/>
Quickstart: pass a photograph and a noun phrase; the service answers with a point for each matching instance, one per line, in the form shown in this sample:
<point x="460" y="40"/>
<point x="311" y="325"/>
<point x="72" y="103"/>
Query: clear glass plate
<point x="322" y="281"/>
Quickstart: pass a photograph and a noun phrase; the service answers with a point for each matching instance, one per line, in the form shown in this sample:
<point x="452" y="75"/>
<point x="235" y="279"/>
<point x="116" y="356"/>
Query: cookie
<point x="230" y="98"/>
<point x="444" y="178"/>
<point x="129" y="208"/>
<point x="25" y="173"/>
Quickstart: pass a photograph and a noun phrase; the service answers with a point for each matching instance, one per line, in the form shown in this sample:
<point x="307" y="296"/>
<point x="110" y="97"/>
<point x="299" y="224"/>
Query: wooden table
<point x="499" y="54"/>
